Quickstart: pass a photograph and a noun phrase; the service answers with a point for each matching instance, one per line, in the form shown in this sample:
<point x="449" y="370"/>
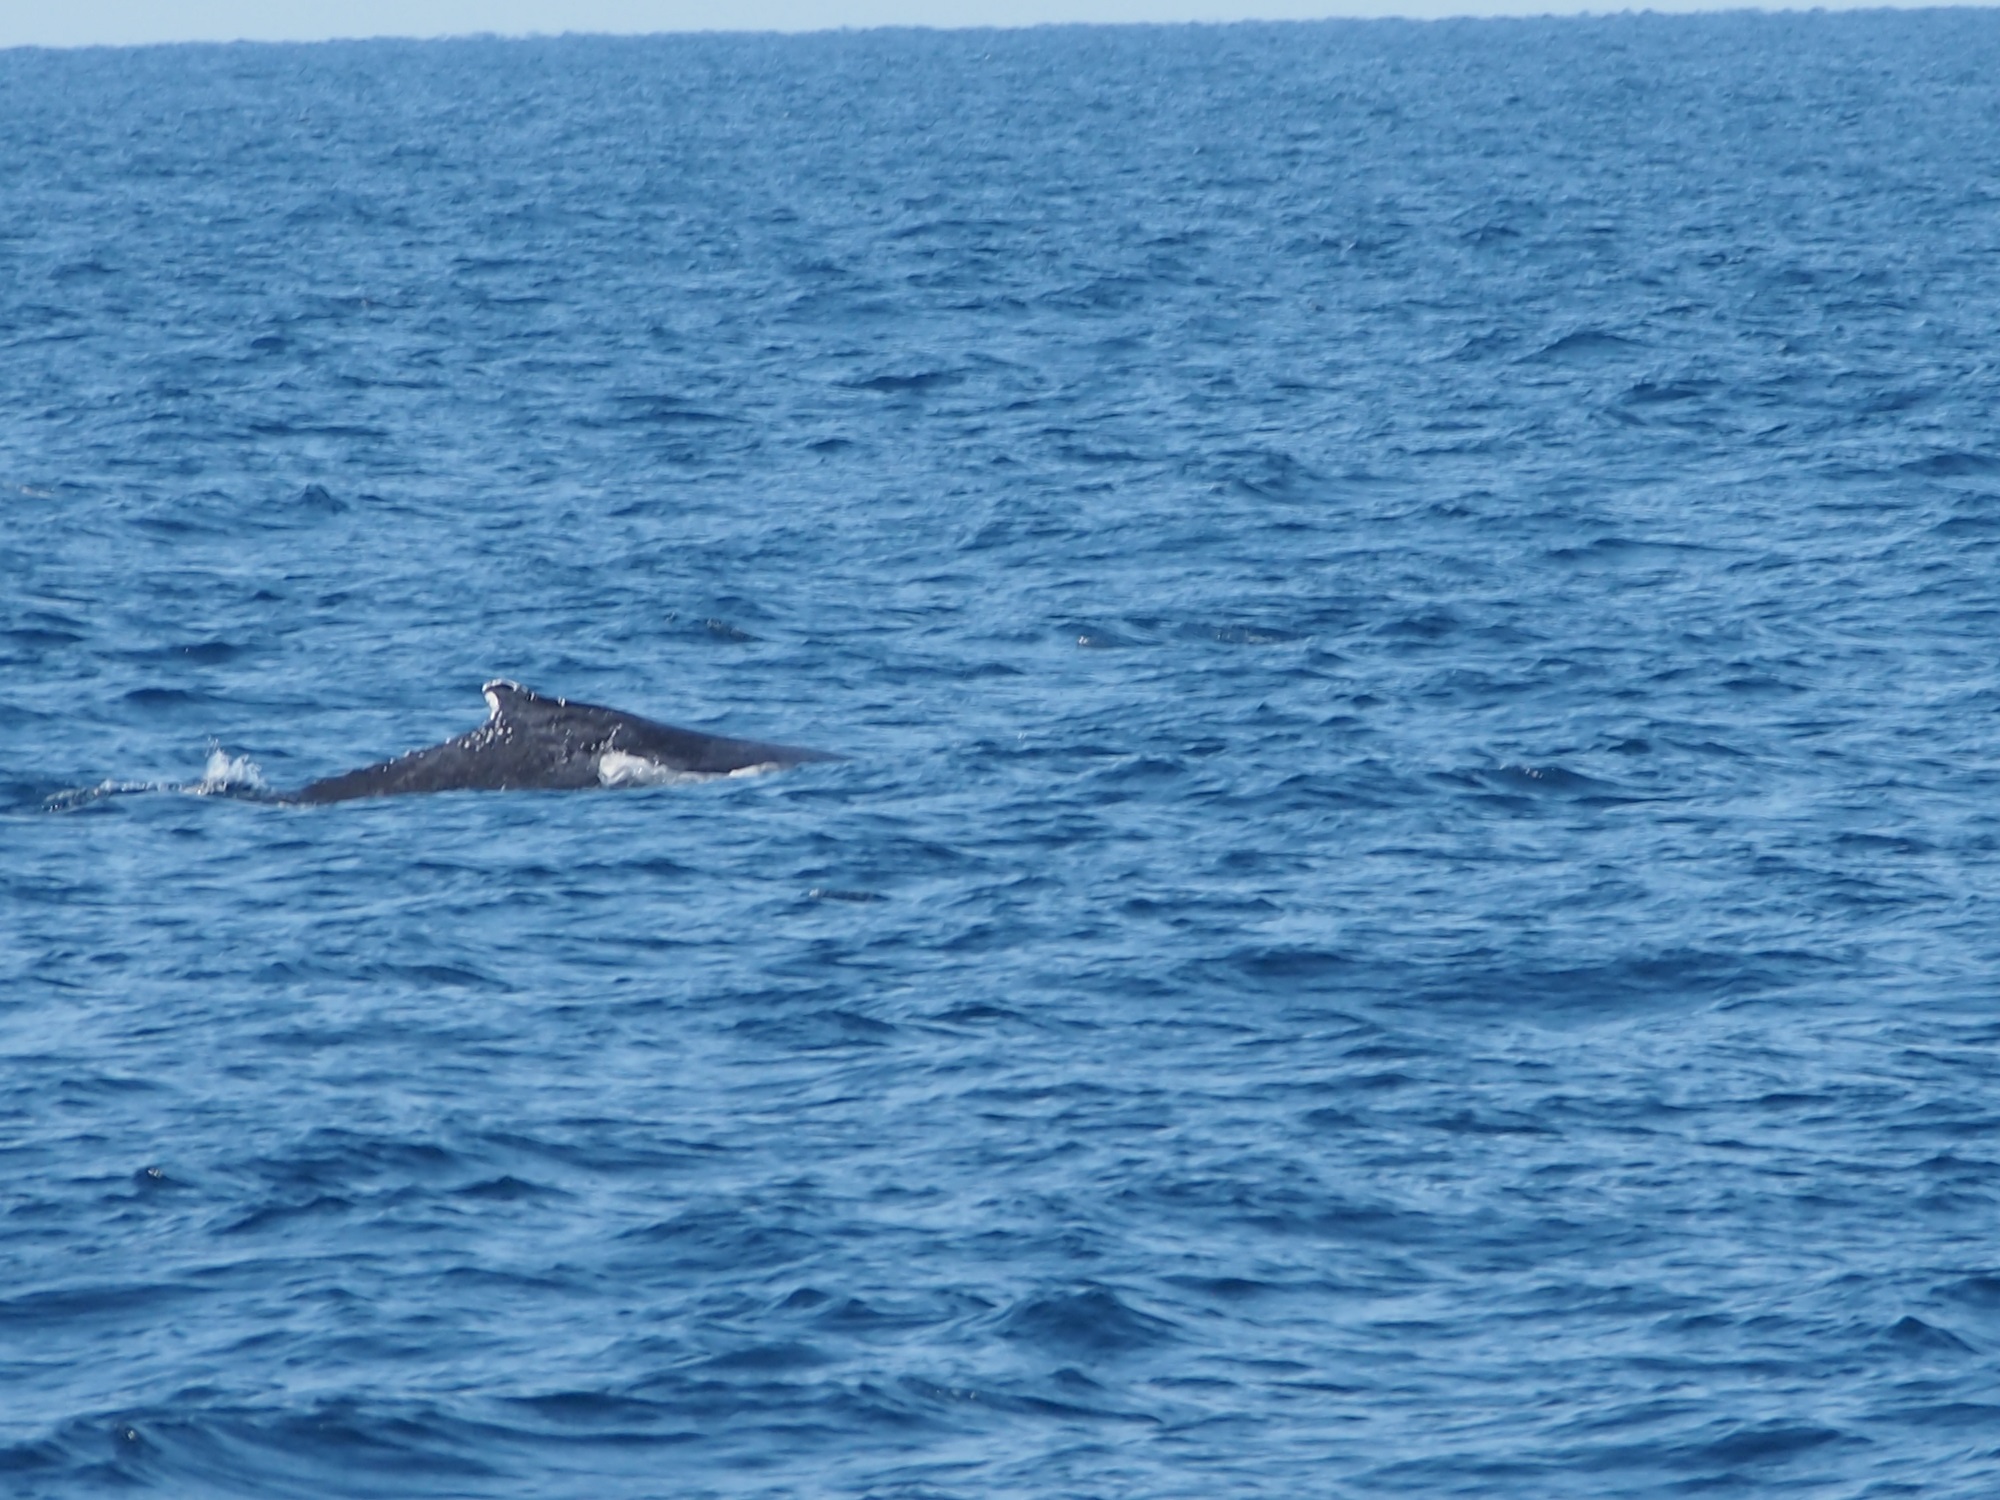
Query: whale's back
<point x="533" y="742"/>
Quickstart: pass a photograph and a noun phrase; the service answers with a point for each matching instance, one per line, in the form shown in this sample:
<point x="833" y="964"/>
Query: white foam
<point x="227" y="773"/>
<point x="83" y="796"/>
<point x="617" y="768"/>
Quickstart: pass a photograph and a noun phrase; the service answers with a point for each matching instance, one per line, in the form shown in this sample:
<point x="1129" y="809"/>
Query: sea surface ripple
<point x="1413" y="907"/>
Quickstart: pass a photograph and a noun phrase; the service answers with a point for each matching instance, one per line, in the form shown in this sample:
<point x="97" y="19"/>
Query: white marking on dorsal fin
<point x="503" y="693"/>
<point x="493" y="693"/>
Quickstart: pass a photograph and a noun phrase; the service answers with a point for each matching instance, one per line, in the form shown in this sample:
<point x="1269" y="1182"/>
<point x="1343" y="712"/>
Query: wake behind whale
<point x="529" y="741"/>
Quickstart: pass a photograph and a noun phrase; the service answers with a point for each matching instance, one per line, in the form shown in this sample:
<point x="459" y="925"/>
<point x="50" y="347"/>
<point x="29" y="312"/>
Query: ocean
<point x="1411" y="908"/>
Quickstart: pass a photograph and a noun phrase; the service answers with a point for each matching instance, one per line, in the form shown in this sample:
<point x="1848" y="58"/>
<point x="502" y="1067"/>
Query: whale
<point x="532" y="742"/>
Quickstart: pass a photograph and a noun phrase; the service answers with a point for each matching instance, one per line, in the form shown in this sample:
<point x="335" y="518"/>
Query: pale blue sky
<point x="83" y="22"/>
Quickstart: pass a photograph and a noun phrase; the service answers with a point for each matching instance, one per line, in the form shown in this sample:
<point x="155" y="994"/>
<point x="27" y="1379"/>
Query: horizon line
<point x="777" y="23"/>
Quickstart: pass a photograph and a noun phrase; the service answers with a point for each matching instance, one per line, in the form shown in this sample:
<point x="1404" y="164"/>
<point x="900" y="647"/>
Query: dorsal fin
<point x="508" y="699"/>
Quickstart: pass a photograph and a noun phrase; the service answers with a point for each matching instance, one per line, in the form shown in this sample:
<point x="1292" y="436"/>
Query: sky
<point x="70" y="23"/>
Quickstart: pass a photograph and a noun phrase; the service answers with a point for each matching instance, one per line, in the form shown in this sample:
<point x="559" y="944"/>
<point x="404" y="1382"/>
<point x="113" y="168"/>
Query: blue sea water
<point x="1412" y="909"/>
